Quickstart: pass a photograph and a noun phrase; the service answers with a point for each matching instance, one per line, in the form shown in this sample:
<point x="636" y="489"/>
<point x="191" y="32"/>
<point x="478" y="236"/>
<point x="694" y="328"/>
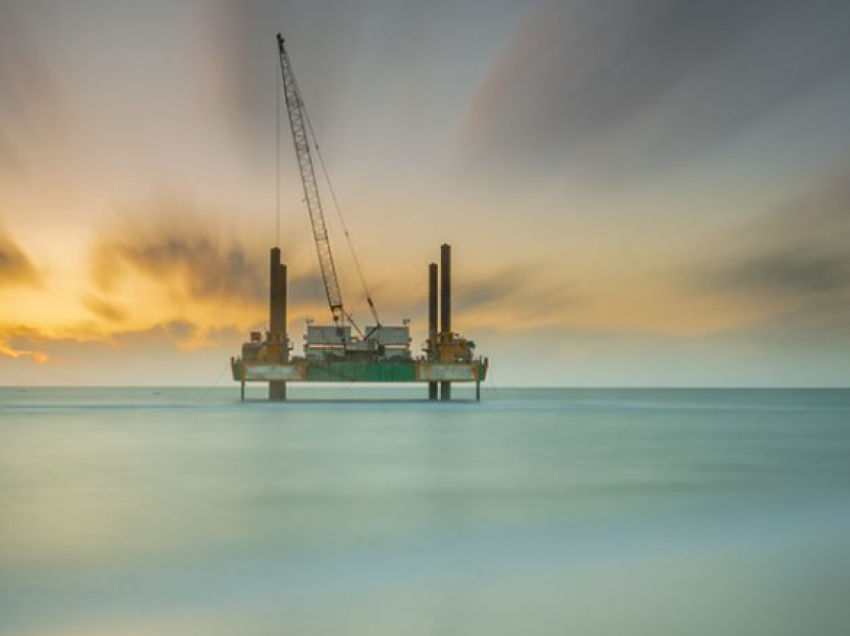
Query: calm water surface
<point x="183" y="512"/>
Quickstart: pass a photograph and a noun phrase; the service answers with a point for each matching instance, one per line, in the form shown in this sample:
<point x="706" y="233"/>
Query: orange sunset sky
<point x="638" y="193"/>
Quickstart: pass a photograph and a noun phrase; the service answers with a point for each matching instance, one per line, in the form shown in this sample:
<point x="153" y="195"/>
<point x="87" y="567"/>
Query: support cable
<point x="215" y="384"/>
<point x="341" y="218"/>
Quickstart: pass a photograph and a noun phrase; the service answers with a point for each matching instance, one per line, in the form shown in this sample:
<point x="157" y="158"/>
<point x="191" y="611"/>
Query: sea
<point x="348" y="511"/>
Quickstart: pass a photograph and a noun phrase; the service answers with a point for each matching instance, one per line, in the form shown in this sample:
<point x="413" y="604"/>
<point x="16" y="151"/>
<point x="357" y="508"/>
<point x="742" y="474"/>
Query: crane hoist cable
<point x="342" y="223"/>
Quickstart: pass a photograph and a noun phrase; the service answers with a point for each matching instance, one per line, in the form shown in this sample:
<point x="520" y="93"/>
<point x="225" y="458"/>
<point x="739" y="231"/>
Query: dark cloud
<point x="792" y="270"/>
<point x="183" y="249"/>
<point x="180" y="329"/>
<point x="796" y="260"/>
<point x="180" y="247"/>
<point x="642" y="84"/>
<point x="519" y="288"/>
<point x="16" y="269"/>
<point x="81" y="346"/>
<point x="520" y="292"/>
<point x="104" y="309"/>
<point x="307" y="286"/>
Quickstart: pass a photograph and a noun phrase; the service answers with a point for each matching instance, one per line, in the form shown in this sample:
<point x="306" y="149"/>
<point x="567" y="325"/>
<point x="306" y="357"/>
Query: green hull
<point x="321" y="371"/>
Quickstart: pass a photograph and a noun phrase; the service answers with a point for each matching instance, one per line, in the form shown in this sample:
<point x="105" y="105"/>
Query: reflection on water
<point x="126" y="512"/>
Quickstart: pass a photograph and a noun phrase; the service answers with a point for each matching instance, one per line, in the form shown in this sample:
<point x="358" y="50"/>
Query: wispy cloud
<point x="240" y="40"/>
<point x="16" y="269"/>
<point x="104" y="309"/>
<point x="176" y="245"/>
<point x="13" y="345"/>
<point x="621" y="84"/>
<point x="516" y="297"/>
<point x="795" y="262"/>
<point x="80" y="342"/>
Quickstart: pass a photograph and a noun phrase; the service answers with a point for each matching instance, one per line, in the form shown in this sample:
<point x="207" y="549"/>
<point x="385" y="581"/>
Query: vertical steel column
<point x="275" y="293"/>
<point x="446" y="307"/>
<point x="277" y="318"/>
<point x="432" y="324"/>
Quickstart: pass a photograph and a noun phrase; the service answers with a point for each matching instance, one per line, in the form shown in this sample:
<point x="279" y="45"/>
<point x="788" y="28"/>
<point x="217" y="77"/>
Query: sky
<point x="638" y="192"/>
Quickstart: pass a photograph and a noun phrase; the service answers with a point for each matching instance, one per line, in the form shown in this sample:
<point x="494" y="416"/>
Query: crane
<point x="302" y="132"/>
<point x="299" y="125"/>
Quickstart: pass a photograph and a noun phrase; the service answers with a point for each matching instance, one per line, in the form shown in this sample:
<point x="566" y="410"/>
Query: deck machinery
<point x="342" y="351"/>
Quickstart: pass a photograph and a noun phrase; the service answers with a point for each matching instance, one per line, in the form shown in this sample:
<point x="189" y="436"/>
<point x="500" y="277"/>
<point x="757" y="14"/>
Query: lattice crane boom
<point x="300" y="137"/>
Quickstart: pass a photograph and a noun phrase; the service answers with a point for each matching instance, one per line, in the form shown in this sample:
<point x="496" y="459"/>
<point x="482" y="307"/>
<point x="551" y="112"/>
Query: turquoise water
<point x="183" y="512"/>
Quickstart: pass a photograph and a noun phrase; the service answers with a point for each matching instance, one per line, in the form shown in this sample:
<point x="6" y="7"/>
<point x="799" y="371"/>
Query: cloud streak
<point x="176" y="246"/>
<point x="643" y="85"/>
<point x="78" y="343"/>
<point x="794" y="261"/>
<point x="240" y="39"/>
<point x="16" y="269"/>
<point x="515" y="298"/>
<point x="30" y="108"/>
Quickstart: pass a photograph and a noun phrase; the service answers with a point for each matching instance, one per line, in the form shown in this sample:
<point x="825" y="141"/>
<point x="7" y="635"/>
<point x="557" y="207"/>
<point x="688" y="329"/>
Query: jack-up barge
<point x="342" y="351"/>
